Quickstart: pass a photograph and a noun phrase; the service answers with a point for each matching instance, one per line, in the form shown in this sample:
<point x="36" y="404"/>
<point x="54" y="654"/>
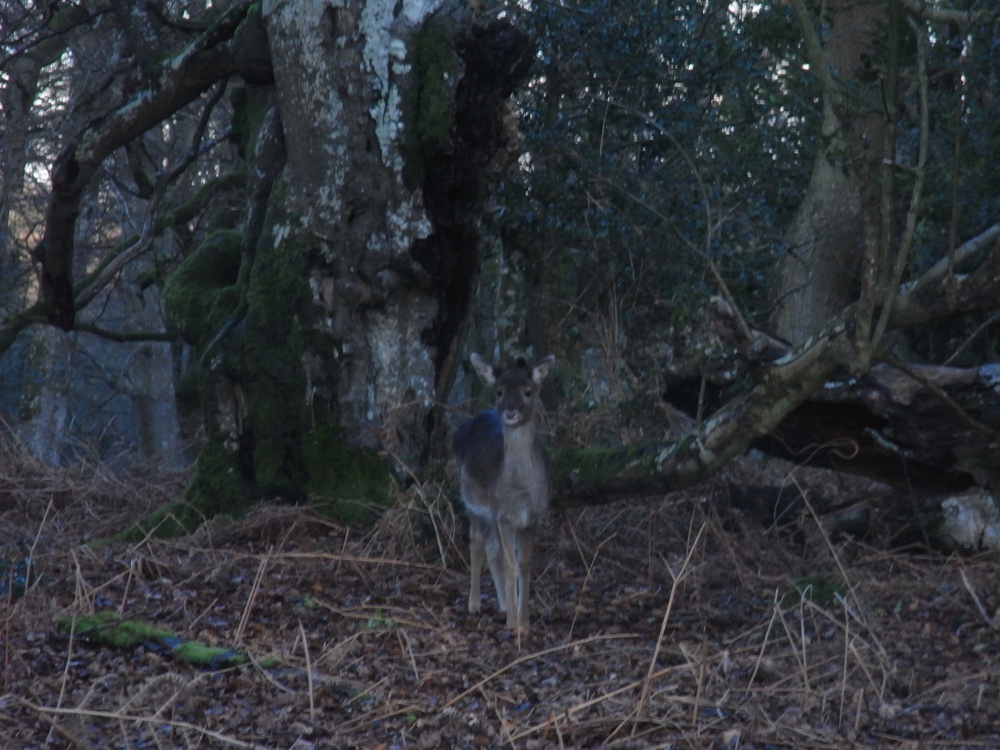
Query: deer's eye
<point x="527" y="393"/>
<point x="499" y="392"/>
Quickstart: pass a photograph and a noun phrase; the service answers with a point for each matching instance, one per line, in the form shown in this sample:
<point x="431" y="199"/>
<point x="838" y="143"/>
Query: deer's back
<point x="503" y="473"/>
<point x="479" y="446"/>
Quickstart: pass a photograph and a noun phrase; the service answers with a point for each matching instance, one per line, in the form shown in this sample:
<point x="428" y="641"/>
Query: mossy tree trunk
<point x="325" y="318"/>
<point x="328" y="328"/>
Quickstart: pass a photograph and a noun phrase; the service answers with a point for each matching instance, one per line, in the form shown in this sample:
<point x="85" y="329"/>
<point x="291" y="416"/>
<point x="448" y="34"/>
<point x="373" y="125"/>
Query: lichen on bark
<point x="267" y="416"/>
<point x="324" y="353"/>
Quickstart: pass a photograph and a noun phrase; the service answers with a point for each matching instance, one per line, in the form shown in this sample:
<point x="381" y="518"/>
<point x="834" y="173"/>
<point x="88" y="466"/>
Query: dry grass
<point x="655" y="624"/>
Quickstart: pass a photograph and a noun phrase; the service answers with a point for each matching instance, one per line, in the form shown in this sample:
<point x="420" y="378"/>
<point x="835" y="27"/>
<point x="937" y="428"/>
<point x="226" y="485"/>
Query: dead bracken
<point x="655" y="624"/>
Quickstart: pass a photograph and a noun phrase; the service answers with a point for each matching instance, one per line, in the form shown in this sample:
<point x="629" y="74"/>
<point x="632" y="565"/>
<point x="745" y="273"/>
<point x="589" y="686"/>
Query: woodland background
<point x="246" y="249"/>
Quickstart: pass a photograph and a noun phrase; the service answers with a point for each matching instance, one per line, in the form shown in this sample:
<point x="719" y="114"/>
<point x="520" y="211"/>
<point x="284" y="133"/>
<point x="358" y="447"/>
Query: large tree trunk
<point x="347" y="199"/>
<point x="45" y="378"/>
<point x="391" y="137"/>
<point x="827" y="236"/>
<point x="328" y="324"/>
<point x="337" y="325"/>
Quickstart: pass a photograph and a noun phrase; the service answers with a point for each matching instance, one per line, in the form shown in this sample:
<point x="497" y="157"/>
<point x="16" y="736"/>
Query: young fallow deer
<point x="504" y="480"/>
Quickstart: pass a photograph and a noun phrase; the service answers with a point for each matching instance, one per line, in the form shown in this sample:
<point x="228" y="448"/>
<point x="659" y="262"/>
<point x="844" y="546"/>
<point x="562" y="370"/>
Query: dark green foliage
<point x="658" y="135"/>
<point x="651" y="128"/>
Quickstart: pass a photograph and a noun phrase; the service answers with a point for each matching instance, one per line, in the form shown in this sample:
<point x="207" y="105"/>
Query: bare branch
<point x="49" y="45"/>
<point x="909" y="230"/>
<point x="149" y="225"/>
<point x="784" y="386"/>
<point x="817" y="60"/>
<point x="127" y="337"/>
<point x="963" y="253"/>
<point x="183" y="78"/>
<point x="929" y="11"/>
<point x="706" y="254"/>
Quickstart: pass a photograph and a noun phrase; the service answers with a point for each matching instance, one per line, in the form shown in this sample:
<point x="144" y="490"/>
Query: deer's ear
<point x="541" y="370"/>
<point x="484" y="370"/>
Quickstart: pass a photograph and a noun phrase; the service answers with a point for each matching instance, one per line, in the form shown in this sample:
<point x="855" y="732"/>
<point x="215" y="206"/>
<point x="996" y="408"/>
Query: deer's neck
<point x="523" y="477"/>
<point x="520" y="443"/>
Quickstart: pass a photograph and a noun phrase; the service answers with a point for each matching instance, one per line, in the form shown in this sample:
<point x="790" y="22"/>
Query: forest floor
<point x="655" y="624"/>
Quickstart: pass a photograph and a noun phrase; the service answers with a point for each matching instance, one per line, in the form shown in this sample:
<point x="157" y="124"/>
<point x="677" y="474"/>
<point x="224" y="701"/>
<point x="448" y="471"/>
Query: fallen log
<point x="921" y="427"/>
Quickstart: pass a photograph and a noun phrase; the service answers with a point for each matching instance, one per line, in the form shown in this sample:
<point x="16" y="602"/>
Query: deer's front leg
<point x="512" y="546"/>
<point x="496" y="554"/>
<point x="526" y="546"/>
<point x="477" y="556"/>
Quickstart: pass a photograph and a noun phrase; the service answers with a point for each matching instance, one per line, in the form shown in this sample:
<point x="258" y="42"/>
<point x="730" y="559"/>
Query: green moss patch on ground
<point x="110" y="629"/>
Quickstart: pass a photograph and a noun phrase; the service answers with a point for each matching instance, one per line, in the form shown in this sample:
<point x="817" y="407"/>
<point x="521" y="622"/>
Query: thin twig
<point x="535" y="655"/>
<point x="309" y="673"/>
<point x="640" y="708"/>
<point x="251" y="598"/>
<point x="909" y="230"/>
<point x="975" y="598"/>
<point x="586" y="579"/>
<point x="117" y="716"/>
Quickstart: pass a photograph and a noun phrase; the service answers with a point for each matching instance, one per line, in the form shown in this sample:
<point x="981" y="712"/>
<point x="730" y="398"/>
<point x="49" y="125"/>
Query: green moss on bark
<point x="282" y="449"/>
<point x="268" y="363"/>
<point x="437" y="65"/>
<point x="217" y="485"/>
<point x="250" y="104"/>
<point x="297" y="454"/>
<point x="216" y="488"/>
<point x="345" y="482"/>
<point x="589" y="465"/>
<point x="200" y="295"/>
<point x="246" y="306"/>
<point x="429" y="127"/>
